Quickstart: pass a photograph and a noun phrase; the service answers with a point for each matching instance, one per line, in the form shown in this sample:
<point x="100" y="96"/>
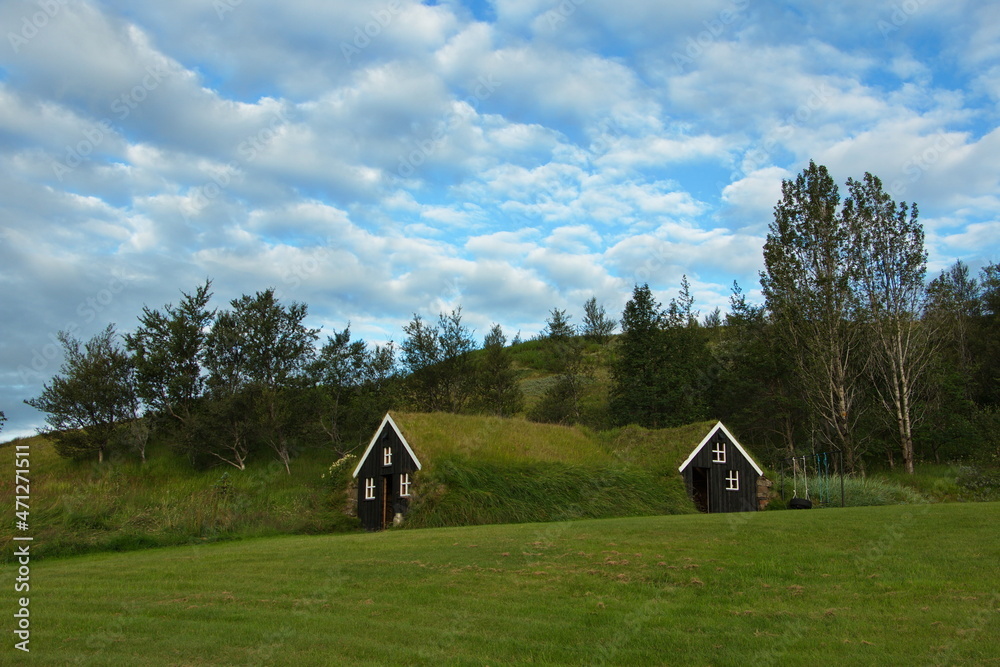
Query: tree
<point x="635" y="373"/>
<point x="952" y="314"/>
<point x="683" y="381"/>
<point x="456" y="342"/>
<point x="438" y="361"/>
<point x="168" y="350"/>
<point x="809" y="292"/>
<point x="597" y="326"/>
<point x="498" y="392"/>
<point x="955" y="306"/>
<point x="90" y="398"/>
<point x="565" y="356"/>
<point x="3" y="419"/>
<point x="339" y="369"/>
<point x="353" y="381"/>
<point x="754" y="391"/>
<point x="258" y="352"/>
<point x="890" y="261"/>
<point x="987" y="338"/>
<point x="557" y="327"/>
<point x="421" y="355"/>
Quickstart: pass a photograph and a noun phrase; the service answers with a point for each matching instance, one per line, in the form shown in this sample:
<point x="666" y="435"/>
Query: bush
<point x="979" y="483"/>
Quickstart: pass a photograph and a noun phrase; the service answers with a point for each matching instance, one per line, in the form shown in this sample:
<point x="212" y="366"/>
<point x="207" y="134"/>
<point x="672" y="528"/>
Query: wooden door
<point x="700" y="489"/>
<point x="387" y="494"/>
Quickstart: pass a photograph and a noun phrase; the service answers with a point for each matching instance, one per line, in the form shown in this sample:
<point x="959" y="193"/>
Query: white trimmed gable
<point x="705" y="441"/>
<point x="378" y="432"/>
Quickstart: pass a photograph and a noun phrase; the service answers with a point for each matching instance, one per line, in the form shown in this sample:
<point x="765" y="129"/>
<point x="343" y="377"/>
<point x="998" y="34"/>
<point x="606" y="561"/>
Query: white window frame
<point x="387" y="456"/>
<point x="404" y="485"/>
<point x="733" y="481"/>
<point x="369" y="488"/>
<point x="719" y="452"/>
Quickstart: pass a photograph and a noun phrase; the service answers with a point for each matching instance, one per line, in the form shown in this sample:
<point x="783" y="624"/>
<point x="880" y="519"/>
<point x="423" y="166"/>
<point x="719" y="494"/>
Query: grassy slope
<point x="490" y="470"/>
<point x="78" y="507"/>
<point x="885" y="585"/>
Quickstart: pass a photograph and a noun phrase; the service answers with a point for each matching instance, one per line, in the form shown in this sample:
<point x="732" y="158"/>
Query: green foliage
<point x="658" y="376"/>
<point x="597" y="325"/>
<point x="82" y="507"/>
<point x="354" y="387"/>
<point x="871" y="490"/>
<point x="635" y="398"/>
<point x="887" y="243"/>
<point x="168" y="350"/>
<point x="91" y="397"/>
<point x="257" y="353"/>
<point x="809" y="292"/>
<point x="560" y="402"/>
<point x="439" y="363"/>
<point x="338" y="475"/>
<point x="497" y="389"/>
<point x="979" y="483"/>
<point x="755" y="393"/>
<point x="565" y="356"/>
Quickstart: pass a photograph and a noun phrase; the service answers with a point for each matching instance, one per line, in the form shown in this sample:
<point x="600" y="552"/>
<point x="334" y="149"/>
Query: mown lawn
<point x="901" y="585"/>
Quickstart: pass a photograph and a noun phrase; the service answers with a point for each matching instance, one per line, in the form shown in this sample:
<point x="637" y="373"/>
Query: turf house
<point x="384" y="477"/>
<point x="720" y="475"/>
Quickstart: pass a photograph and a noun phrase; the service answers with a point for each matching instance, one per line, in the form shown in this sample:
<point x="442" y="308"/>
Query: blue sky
<point x="379" y="159"/>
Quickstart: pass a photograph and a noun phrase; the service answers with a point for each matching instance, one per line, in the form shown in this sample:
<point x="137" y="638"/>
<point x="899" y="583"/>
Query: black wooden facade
<point x="384" y="477"/>
<point x="720" y="475"/>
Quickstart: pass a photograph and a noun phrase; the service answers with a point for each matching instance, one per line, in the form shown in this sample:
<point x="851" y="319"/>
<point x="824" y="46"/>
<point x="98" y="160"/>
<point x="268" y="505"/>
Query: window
<point x="387" y="456"/>
<point x="404" y="484"/>
<point x="370" y="488"/>
<point x="733" y="481"/>
<point x="719" y="452"/>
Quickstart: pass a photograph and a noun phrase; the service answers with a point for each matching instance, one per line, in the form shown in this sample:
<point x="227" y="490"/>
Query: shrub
<point x="979" y="483"/>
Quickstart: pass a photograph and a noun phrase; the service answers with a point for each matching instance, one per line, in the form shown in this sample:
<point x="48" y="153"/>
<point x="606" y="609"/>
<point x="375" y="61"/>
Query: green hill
<point x="491" y="470"/>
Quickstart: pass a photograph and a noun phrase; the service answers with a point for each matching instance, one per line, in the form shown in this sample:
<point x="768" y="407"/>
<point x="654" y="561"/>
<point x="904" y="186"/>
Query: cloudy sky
<point x="377" y="159"/>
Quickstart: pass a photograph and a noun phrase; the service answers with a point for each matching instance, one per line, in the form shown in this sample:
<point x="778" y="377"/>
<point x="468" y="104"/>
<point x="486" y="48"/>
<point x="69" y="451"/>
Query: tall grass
<point x="858" y="492"/>
<point x="121" y="505"/>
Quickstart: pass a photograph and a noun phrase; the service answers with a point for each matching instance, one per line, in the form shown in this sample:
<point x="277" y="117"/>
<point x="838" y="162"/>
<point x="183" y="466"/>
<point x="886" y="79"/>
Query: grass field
<point x="894" y="585"/>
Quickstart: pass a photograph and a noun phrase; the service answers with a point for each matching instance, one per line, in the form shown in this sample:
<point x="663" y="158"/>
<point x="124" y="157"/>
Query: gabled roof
<point x="708" y="437"/>
<point x="378" y="432"/>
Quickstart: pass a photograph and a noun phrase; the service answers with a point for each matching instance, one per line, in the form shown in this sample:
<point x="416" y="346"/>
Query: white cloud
<point x="509" y="165"/>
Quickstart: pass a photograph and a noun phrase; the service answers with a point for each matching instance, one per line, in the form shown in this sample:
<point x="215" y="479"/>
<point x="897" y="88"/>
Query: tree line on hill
<point x="851" y="351"/>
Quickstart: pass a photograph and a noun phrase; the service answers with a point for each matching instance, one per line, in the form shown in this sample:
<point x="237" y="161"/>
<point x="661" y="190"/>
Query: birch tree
<point x="890" y="264"/>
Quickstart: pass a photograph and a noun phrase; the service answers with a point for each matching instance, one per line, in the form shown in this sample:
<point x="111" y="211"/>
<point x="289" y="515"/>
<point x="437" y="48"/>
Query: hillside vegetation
<point x="493" y="470"/>
<point x="865" y="586"/>
<point x="476" y="470"/>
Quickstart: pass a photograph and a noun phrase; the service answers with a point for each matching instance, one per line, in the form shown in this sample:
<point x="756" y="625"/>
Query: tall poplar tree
<point x="809" y="290"/>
